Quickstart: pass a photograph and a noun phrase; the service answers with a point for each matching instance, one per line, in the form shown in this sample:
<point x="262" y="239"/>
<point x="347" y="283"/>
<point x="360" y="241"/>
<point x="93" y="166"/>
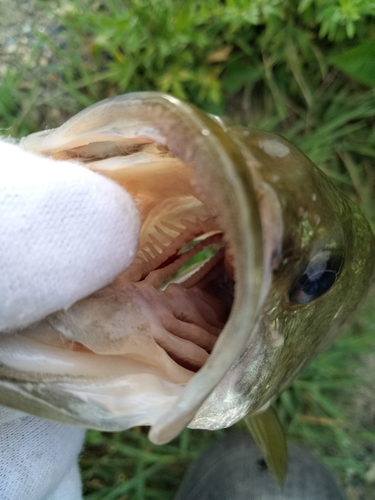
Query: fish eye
<point x="318" y="277"/>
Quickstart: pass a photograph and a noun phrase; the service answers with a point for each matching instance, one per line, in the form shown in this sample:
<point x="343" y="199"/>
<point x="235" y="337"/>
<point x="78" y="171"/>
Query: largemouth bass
<point x="249" y="262"/>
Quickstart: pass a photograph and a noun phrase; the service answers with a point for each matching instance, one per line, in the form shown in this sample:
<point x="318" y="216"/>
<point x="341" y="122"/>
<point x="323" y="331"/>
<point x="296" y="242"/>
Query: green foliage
<point x="319" y="409"/>
<point x="127" y="465"/>
<point x="15" y="105"/>
<point x="337" y="19"/>
<point x="204" y="51"/>
<point x="358" y="62"/>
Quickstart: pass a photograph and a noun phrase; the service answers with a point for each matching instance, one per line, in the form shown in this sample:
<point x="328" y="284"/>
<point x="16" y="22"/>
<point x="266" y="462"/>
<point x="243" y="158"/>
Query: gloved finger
<point x="65" y="232"/>
<point x="38" y="458"/>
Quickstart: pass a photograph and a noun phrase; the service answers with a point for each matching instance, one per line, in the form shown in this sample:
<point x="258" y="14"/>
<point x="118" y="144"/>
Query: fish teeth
<point x="173" y="227"/>
<point x="163" y="234"/>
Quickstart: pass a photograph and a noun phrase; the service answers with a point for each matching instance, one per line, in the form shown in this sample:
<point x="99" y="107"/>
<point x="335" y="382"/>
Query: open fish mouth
<point x="126" y="353"/>
<point x="249" y="261"/>
<point x="164" y="310"/>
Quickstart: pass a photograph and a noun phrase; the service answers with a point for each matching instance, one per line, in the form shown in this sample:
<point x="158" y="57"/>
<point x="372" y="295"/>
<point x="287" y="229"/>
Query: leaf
<point x="238" y="73"/>
<point x="219" y="55"/>
<point x="358" y="62"/>
<point x="269" y="437"/>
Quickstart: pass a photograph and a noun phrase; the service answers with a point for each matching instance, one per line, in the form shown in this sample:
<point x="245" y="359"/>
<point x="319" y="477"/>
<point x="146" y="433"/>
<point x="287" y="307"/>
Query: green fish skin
<point x="199" y="345"/>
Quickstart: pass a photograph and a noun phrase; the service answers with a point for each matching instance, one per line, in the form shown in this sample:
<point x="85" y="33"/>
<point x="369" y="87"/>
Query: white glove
<point x="38" y="458"/>
<point x="65" y="232"/>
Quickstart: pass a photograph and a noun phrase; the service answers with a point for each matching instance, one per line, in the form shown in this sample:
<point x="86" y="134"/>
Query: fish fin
<point x="269" y="437"/>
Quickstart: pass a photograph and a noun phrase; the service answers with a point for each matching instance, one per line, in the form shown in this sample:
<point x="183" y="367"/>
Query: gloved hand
<point x="65" y="232"/>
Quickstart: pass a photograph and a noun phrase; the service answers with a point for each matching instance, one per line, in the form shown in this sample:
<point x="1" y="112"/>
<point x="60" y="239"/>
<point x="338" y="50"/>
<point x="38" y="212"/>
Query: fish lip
<point x="225" y="184"/>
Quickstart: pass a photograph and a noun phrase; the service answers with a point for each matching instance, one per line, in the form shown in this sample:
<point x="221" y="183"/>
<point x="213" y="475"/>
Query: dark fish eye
<point x="318" y="277"/>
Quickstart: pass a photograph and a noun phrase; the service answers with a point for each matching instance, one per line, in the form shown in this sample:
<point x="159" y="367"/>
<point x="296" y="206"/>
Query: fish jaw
<point x="276" y="213"/>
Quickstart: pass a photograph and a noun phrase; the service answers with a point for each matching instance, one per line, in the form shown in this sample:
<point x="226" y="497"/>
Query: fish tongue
<point x="161" y="328"/>
<point x="109" y="326"/>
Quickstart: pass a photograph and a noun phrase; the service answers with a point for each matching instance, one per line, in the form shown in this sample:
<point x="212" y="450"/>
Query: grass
<point x="321" y="408"/>
<point x="303" y="69"/>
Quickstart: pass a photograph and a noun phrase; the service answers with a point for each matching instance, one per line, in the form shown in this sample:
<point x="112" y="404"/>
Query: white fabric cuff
<point x="38" y="458"/>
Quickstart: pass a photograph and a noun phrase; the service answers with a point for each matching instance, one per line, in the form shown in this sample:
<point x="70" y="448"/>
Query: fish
<point x="249" y="263"/>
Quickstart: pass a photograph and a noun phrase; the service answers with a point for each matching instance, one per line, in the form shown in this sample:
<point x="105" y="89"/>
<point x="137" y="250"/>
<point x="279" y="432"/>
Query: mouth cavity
<point x="167" y="310"/>
<point x="179" y="278"/>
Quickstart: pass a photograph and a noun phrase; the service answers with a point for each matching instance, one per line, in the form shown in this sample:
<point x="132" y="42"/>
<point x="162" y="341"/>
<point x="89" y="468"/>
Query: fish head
<point x="321" y="251"/>
<point x="249" y="261"/>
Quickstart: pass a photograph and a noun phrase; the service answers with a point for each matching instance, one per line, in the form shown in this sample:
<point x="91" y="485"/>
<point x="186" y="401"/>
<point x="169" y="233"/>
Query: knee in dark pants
<point x="233" y="469"/>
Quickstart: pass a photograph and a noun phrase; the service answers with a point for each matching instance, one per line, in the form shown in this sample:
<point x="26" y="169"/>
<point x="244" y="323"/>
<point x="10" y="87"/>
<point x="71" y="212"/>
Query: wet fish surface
<point x="249" y="262"/>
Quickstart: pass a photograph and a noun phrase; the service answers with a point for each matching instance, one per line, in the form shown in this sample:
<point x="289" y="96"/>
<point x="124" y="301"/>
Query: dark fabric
<point x="233" y="469"/>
